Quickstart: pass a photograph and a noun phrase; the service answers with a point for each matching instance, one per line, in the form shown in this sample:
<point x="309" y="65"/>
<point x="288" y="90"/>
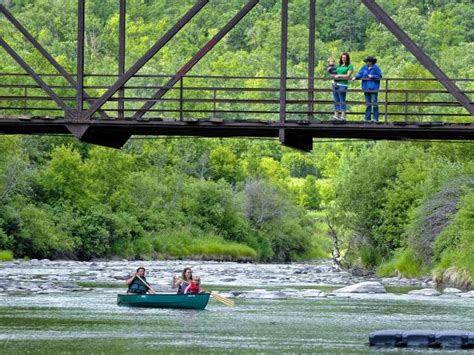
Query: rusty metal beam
<point x="81" y="8"/>
<point x="146" y="57"/>
<point x="197" y="57"/>
<point x="311" y="54"/>
<point x="424" y="59"/>
<point x="34" y="75"/>
<point x="121" y="54"/>
<point x="283" y="59"/>
<point x="44" y="52"/>
<point x="106" y="132"/>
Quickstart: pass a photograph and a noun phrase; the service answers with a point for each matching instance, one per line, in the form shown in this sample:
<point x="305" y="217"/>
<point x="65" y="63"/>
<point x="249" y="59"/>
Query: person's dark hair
<point x="348" y="58"/>
<point x="140" y="268"/>
<point x="184" y="273"/>
<point x="370" y="59"/>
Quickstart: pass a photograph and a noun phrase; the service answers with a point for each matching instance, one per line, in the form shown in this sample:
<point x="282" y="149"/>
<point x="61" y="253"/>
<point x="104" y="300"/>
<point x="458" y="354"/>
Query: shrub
<point x="6" y="255"/>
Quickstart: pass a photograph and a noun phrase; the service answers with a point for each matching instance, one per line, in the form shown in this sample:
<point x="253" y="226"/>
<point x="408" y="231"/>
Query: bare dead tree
<point x="336" y="251"/>
<point x="262" y="202"/>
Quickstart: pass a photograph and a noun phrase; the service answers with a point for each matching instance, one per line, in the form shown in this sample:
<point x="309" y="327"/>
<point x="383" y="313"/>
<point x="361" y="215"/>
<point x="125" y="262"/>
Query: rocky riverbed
<point x="261" y="281"/>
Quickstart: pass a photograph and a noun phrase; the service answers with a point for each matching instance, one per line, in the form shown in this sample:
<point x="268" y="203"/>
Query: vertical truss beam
<point x="34" y="75"/>
<point x="43" y="51"/>
<point x="283" y="65"/>
<point x="424" y="59"/>
<point x="121" y="54"/>
<point x="81" y="7"/>
<point x="197" y="57"/>
<point x="311" y="53"/>
<point x="146" y="57"/>
<point x="283" y="59"/>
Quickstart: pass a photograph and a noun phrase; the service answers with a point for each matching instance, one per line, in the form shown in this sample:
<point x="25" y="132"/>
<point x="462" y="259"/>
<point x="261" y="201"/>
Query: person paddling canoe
<point x="138" y="284"/>
<point x="184" y="281"/>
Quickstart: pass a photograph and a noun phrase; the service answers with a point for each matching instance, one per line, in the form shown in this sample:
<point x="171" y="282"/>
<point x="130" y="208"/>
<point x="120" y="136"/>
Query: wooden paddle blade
<point x="226" y="301"/>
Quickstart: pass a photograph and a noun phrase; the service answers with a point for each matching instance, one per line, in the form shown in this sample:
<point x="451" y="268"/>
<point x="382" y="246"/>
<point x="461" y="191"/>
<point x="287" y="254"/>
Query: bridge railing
<point x="237" y="98"/>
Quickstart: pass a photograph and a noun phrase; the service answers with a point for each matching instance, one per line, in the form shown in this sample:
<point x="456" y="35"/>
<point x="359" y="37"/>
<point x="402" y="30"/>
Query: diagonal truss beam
<point x="44" y="52"/>
<point x="424" y="59"/>
<point x="197" y="57"/>
<point x="34" y="75"/>
<point x="145" y="58"/>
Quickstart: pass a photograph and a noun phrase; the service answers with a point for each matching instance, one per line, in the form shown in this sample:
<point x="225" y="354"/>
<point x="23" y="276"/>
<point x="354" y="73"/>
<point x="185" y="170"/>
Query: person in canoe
<point x="194" y="287"/>
<point x="184" y="281"/>
<point x="138" y="284"/>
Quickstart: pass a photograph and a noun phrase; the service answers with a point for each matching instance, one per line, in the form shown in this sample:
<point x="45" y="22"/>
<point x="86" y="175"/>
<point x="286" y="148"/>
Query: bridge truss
<point x="295" y="109"/>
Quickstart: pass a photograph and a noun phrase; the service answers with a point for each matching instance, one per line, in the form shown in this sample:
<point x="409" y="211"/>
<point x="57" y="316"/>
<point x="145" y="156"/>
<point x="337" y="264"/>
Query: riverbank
<point x="319" y="278"/>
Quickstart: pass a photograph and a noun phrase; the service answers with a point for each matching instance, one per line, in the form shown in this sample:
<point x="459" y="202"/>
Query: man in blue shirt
<point x="370" y="74"/>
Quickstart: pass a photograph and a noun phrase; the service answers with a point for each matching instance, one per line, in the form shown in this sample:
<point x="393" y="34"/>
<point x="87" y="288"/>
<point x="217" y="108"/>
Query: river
<point x="86" y="319"/>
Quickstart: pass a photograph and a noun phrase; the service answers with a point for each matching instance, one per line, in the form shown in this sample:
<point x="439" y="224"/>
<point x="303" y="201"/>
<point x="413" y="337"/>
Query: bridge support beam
<point x="34" y="75"/>
<point x="44" y="53"/>
<point x="424" y="59"/>
<point x="146" y="57"/>
<point x="86" y="132"/>
<point x="296" y="139"/>
<point x="283" y="67"/>
<point x="194" y="60"/>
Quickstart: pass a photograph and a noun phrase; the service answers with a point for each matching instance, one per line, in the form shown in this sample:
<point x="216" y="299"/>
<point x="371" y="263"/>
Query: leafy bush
<point x="454" y="247"/>
<point x="434" y="215"/>
<point x="6" y="255"/>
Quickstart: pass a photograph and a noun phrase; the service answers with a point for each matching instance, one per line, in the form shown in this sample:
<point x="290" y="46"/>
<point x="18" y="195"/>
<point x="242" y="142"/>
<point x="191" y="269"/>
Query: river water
<point x="89" y="321"/>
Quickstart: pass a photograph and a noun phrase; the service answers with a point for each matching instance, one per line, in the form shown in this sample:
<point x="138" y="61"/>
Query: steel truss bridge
<point x="294" y="109"/>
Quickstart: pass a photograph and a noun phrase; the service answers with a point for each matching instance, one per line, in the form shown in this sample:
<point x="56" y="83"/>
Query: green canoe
<point x="164" y="301"/>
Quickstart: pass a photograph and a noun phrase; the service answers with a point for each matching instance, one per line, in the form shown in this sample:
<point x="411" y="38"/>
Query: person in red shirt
<point x="194" y="287"/>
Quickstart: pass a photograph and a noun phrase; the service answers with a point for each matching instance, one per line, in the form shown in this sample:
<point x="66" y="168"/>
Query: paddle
<point x="222" y="299"/>
<point x="152" y="291"/>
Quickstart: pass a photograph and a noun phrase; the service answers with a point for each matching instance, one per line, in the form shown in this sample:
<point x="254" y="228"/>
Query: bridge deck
<point x="243" y="128"/>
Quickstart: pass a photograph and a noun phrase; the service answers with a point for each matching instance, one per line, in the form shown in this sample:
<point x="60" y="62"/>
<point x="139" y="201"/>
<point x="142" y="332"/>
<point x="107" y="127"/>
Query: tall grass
<point x="403" y="263"/>
<point x="184" y="243"/>
<point x="194" y="244"/>
<point x="6" y="255"/>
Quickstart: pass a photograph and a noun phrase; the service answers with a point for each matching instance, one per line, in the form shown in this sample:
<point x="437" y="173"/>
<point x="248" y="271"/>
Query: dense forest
<point x="397" y="208"/>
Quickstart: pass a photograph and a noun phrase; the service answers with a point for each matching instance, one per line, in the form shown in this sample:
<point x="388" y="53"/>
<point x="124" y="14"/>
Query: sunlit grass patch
<point x="6" y="255"/>
<point x="403" y="263"/>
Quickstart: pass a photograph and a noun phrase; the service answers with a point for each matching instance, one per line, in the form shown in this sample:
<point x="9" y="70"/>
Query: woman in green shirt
<point x="343" y="73"/>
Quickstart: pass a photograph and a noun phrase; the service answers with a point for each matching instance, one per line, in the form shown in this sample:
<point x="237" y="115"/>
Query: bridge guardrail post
<point x="25" y="102"/>
<point x="181" y="94"/>
<point x="214" y="96"/>
<point x="386" y="100"/>
<point x="406" y="106"/>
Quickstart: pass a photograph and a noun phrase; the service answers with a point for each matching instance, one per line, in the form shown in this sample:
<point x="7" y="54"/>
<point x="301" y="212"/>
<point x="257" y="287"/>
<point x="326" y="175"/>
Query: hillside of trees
<point x="397" y="208"/>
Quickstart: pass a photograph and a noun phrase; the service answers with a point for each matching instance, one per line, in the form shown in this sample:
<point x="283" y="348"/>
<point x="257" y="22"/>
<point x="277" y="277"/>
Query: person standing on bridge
<point x="343" y="73"/>
<point x="370" y="74"/>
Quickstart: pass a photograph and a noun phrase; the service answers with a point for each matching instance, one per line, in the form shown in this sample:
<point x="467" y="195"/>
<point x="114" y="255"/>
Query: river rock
<point x="469" y="294"/>
<point x="70" y="285"/>
<point x="313" y="294"/>
<point x="264" y="294"/>
<point x="363" y="287"/>
<point x="228" y="279"/>
<point x="425" y="292"/>
<point x="451" y="290"/>
<point x="48" y="291"/>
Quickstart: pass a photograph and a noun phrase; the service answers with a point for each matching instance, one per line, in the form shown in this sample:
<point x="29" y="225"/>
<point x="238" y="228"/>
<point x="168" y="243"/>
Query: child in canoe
<point x="194" y="287"/>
